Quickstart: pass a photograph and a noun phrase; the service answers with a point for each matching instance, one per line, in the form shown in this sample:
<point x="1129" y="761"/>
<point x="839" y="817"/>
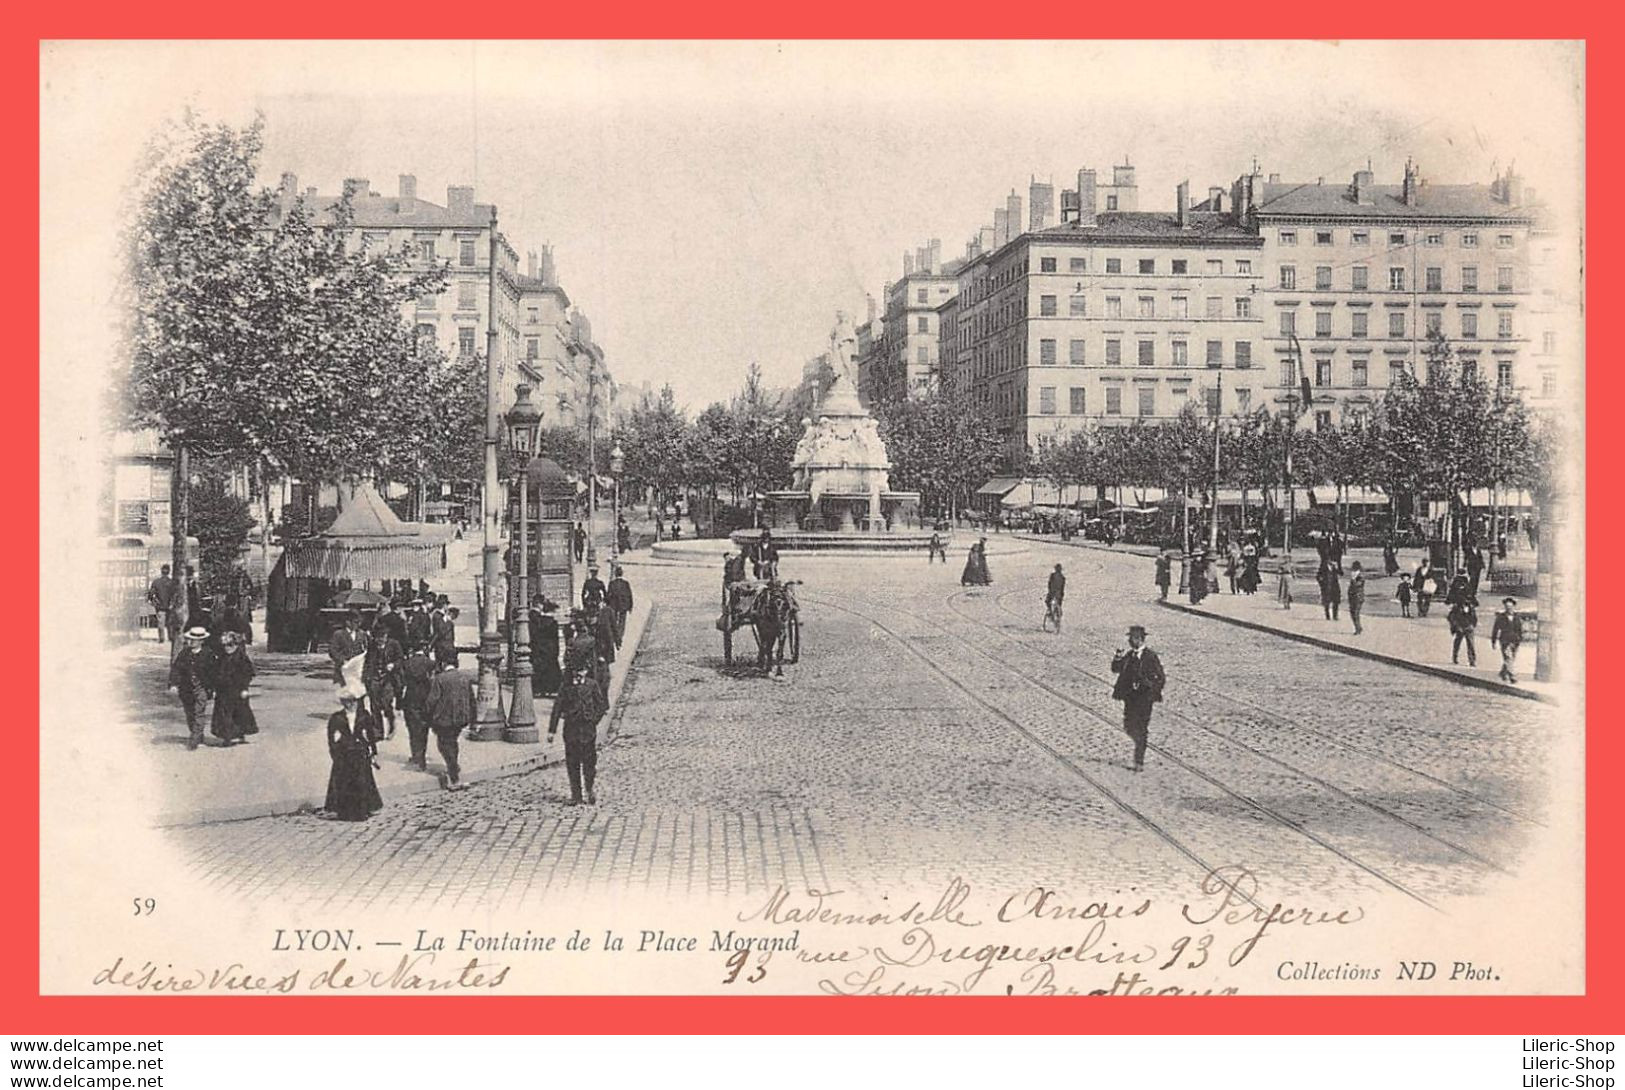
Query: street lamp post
<point x="524" y="421"/>
<point x="1185" y="521"/>
<point x="617" y="464"/>
<point x="488" y="719"/>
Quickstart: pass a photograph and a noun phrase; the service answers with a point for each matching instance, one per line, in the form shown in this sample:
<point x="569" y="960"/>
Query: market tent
<point x="998" y="486"/>
<point x="367" y="542"/>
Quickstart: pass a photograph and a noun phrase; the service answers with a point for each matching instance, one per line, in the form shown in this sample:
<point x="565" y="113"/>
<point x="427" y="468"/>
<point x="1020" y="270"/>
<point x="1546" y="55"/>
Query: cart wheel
<point x="795" y="639"/>
<point x="728" y="646"/>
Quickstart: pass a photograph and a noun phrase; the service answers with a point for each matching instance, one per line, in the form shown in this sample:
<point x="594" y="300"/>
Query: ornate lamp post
<point x="1185" y="520"/>
<point x="617" y="465"/>
<point x="524" y="421"/>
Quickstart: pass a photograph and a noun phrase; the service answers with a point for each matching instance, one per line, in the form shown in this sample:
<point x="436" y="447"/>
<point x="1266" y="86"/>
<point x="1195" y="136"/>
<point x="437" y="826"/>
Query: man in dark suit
<point x="444" y="633"/>
<point x="419" y="629"/>
<point x="1139" y="685"/>
<point x="619" y="599"/>
<point x="580" y="705"/>
<point x="163" y="594"/>
<point x="346" y="643"/>
<point x="450" y="708"/>
<point x="593" y="590"/>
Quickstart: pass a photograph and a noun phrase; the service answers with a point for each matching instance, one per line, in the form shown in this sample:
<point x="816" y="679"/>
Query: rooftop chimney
<point x="409" y="188"/>
<point x="985" y="239"/>
<point x="290" y="184"/>
<point x="1412" y="183"/>
<point x="1215" y="198"/>
<point x="1012" y="205"/>
<point x="356" y="187"/>
<point x="1183" y="196"/>
<point x="1514" y="188"/>
<point x="310" y="193"/>
<point x="1123" y="175"/>
<point x="1001" y="227"/>
<point x="934" y="253"/>
<point x="873" y="309"/>
<point x="1040" y="205"/>
<point x="1275" y="179"/>
<point x="1086" y="197"/>
<point x="530" y="264"/>
<point x="460" y="200"/>
<point x="549" y="272"/>
<point x="908" y="263"/>
<point x="1069" y="206"/>
<point x="1364" y="191"/>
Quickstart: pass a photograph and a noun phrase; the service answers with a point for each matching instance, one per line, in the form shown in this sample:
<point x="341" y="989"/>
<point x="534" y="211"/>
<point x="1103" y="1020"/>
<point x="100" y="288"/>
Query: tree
<point x="653" y="442"/>
<point x="943" y="444"/>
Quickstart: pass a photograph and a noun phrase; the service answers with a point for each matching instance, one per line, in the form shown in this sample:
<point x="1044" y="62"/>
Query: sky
<point x="713" y="205"/>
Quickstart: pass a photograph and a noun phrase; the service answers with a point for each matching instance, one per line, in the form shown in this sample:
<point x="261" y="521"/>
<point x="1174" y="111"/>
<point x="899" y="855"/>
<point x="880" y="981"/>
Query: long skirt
<point x="233" y="718"/>
<point x="352" y="793"/>
<point x="1249" y="576"/>
<point x="545" y="674"/>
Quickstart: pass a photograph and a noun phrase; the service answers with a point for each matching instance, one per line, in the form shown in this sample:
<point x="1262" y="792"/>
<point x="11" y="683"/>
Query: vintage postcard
<point x="864" y="518"/>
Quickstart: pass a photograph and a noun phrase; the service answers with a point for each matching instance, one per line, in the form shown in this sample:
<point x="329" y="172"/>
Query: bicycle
<point x="1052" y="615"/>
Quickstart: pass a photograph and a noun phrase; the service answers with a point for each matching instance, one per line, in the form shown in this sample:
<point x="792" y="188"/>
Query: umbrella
<point x="357" y="596"/>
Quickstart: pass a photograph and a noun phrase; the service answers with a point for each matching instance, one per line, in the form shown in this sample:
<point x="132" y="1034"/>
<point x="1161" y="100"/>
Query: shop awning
<point x="320" y="558"/>
<point x="998" y="486"/>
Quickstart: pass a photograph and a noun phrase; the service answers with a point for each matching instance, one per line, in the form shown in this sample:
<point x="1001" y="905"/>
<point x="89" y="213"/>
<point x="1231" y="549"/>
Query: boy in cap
<point x="1139" y="685"/>
<point x="1508" y="632"/>
<point x="192" y="676"/>
<point x="580" y="705"/>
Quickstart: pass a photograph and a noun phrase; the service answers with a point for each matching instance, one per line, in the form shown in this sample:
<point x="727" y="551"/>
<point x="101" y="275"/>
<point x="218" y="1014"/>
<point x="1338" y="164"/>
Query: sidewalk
<point x="284" y="768"/>
<point x="1414" y="643"/>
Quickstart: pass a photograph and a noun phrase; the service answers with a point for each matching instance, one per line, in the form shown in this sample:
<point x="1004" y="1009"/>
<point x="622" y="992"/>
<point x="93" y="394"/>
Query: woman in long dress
<point x="352" y="793"/>
<point x="1249" y="568"/>
<point x="233" y="719"/>
<point x="544" y="649"/>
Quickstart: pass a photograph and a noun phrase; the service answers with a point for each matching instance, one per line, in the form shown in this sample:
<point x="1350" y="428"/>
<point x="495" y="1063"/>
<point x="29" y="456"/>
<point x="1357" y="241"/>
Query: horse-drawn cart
<point x="769" y="609"/>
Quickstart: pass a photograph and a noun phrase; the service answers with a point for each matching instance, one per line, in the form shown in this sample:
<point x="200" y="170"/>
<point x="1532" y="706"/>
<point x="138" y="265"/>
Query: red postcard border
<point x="26" y="1011"/>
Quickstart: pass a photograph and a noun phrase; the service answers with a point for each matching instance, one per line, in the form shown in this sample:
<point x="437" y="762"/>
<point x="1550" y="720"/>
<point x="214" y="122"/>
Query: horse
<point x="771" y="620"/>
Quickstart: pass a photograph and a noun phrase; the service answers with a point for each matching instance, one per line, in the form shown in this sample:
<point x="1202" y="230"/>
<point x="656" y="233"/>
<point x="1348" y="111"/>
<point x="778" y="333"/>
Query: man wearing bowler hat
<point x="1139" y="685"/>
<point x="1508" y="632"/>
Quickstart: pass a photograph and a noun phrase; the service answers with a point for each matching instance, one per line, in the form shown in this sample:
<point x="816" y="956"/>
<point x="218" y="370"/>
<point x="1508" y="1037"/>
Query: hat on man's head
<point x="549" y="605"/>
<point x="345" y="695"/>
<point x="593" y="566"/>
<point x="196" y="632"/>
<point x="1509" y="601"/>
<point x="1137" y="630"/>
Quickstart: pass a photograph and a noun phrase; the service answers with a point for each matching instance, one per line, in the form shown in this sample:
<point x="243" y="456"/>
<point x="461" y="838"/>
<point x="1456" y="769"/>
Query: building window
<point x="1503" y="324"/>
<point x="1182" y="354"/>
<point x="1433" y="238"/>
<point x="1289" y="238"/>
<point x="1111" y="202"/>
<point x="1289" y="323"/>
<point x="1469" y="239"/>
<point x="1323" y="420"/>
<point x="1046" y="400"/>
<point x="1503" y="278"/>
<point x="1548" y="384"/>
<point x="1435" y="280"/>
<point x="1361" y="368"/>
<point x="922" y="295"/>
<point x="1289" y="277"/>
<point x="1397" y="238"/>
<point x="1362" y="278"/>
<point x="1360" y="238"/>
<point x="1323" y="372"/>
<point x="1046" y="351"/>
<point x="466" y="297"/>
<point x="1244" y="354"/>
<point x="1114" y="401"/>
<point x="1469" y="278"/>
<point x="1396" y="323"/>
<point x="425" y="337"/>
<point x="1244" y="400"/>
<point x="1211" y="397"/>
<point x="1396" y="372"/>
<point x="428" y="301"/>
<point x="1469" y="372"/>
<point x="1148" y="306"/>
<point x="1323" y="238"/>
<point x="1075" y="352"/>
<point x="533" y="315"/>
<point x="1181" y="307"/>
<point x="1358" y="323"/>
<point x="1396" y="278"/>
<point x="1215" y="307"/>
<point x="1244" y="267"/>
<point x="533" y="348"/>
<point x="1148" y="353"/>
<point x="1469" y="326"/>
<point x="465" y="252"/>
<point x="426" y="249"/>
<point x="922" y="324"/>
<point x="1548" y="343"/>
<point x="1503" y="242"/>
<point x="1435" y="323"/>
<point x="1075" y="402"/>
<point x="1289" y="374"/>
<point x="1114" y="353"/>
<point x="1215" y="353"/>
<point x="1323" y="277"/>
<point x="1180" y="266"/>
<point x="922" y="356"/>
<point x="1114" y="264"/>
<point x="1077" y="306"/>
<point x="1148" y="265"/>
<point x="1323" y="323"/>
<point x="465" y="341"/>
<point x="1114" y="306"/>
<point x="1078" y="264"/>
<point x="1244" y="307"/>
<point x="1148" y="400"/>
<point x="1503" y="374"/>
<point x="1046" y="264"/>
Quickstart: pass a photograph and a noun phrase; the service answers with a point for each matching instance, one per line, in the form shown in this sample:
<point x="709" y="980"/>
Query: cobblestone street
<point x="931" y="731"/>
